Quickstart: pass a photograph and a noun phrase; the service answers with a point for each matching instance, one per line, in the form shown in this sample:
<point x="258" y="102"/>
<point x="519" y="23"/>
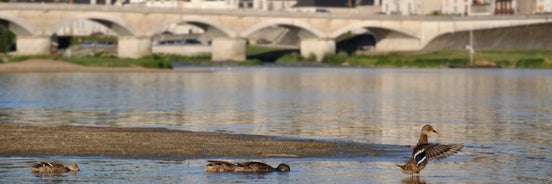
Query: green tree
<point x="7" y="39"/>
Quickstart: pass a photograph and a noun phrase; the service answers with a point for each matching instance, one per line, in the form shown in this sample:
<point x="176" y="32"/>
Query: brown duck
<point x="424" y="151"/>
<point x="250" y="167"/>
<point x="54" y="167"/>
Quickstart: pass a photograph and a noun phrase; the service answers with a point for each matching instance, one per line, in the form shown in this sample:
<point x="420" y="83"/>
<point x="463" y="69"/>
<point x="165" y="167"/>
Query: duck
<point x="246" y="167"/>
<point x="423" y="151"/>
<point x="54" y="167"/>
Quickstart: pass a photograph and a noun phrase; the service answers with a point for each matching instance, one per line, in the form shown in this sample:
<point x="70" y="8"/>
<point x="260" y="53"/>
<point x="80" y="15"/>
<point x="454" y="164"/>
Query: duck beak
<point x="436" y="131"/>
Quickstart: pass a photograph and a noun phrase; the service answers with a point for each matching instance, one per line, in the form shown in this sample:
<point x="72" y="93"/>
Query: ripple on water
<point x="470" y="167"/>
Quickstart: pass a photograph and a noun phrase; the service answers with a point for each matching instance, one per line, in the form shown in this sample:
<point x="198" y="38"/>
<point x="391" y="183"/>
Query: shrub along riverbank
<point x="280" y="56"/>
<point x="436" y="59"/>
<point x="505" y="59"/>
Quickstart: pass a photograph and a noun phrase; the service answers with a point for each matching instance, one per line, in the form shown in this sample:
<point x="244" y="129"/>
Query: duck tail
<point x="401" y="166"/>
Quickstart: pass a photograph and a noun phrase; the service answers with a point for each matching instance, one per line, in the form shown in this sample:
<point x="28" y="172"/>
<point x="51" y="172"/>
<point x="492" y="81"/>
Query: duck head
<point x="427" y="129"/>
<point x="73" y="166"/>
<point x="283" y="168"/>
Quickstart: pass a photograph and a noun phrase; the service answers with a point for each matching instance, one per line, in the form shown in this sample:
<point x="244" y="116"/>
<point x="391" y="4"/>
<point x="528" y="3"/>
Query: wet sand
<point x="45" y="65"/>
<point x="159" y="143"/>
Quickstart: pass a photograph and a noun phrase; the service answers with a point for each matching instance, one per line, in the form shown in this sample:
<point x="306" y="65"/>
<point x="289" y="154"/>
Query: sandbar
<point x="161" y="143"/>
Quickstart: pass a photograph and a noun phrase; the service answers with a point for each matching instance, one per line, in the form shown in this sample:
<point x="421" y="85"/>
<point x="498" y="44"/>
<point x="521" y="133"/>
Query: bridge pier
<point x="33" y="45"/>
<point x="133" y="47"/>
<point x="228" y="49"/>
<point x="317" y="47"/>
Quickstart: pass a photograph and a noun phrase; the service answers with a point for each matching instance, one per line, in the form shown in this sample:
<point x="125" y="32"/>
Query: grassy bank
<point x="151" y="61"/>
<point x="283" y="56"/>
<point x="166" y="60"/>
<point x="506" y="59"/>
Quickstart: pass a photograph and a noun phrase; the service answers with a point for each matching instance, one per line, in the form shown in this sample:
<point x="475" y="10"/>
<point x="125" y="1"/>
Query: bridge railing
<point x="248" y="12"/>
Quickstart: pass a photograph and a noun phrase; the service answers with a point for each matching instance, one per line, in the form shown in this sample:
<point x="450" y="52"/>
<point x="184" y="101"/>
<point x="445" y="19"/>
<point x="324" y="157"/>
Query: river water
<point x="504" y="118"/>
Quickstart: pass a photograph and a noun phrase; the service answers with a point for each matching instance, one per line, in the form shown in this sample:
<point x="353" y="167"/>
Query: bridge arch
<point x="311" y="32"/>
<point x="373" y="25"/>
<point x="18" y="26"/>
<point x="383" y="37"/>
<point x="213" y="27"/>
<point x="116" y="25"/>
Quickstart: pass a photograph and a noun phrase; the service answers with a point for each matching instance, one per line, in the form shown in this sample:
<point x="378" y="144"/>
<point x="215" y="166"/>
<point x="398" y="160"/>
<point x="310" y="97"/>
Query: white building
<point x="197" y="4"/>
<point x="482" y="8"/>
<point x="411" y="7"/>
<point x="273" y="5"/>
<point x="455" y="7"/>
<point x="160" y="3"/>
<point x="534" y="6"/>
<point x="426" y="7"/>
<point x="544" y="6"/>
<point x="210" y="4"/>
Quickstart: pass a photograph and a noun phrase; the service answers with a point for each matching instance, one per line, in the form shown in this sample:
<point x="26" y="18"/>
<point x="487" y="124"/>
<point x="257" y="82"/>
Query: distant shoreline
<point x="513" y="59"/>
<point x="160" y="143"/>
<point x="46" y="65"/>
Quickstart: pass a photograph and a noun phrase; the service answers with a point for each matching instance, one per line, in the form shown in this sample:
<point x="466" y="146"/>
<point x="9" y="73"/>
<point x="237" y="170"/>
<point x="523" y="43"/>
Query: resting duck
<point x="423" y="151"/>
<point x="250" y="167"/>
<point x="53" y="167"/>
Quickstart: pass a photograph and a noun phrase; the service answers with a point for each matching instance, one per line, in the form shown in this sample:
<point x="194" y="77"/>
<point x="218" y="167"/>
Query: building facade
<point x="464" y="7"/>
<point x="424" y="7"/>
<point x="505" y="7"/>
<point x="398" y="7"/>
<point x="455" y="7"/>
<point x="196" y="4"/>
<point x="544" y="6"/>
<point x="273" y="5"/>
<point x="496" y="7"/>
<point x="482" y="7"/>
<point x="337" y="6"/>
<point x="534" y="6"/>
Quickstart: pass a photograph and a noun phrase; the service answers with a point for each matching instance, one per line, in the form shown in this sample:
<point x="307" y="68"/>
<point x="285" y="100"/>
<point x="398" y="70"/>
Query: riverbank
<point x="257" y="55"/>
<point x="437" y="59"/>
<point x="285" y="57"/>
<point x="159" y="143"/>
<point x="48" y="65"/>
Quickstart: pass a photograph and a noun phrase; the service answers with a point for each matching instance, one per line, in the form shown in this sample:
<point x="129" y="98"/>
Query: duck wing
<point x="219" y="162"/>
<point x="48" y="164"/>
<point x="42" y="164"/>
<point x="256" y="166"/>
<point x="56" y="164"/>
<point x="437" y="151"/>
<point x="220" y="166"/>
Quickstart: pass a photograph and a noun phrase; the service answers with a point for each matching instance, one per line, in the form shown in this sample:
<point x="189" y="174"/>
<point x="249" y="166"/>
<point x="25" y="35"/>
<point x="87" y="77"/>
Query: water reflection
<point x="413" y="180"/>
<point x="304" y="102"/>
<point x="503" y="116"/>
<point x="54" y="175"/>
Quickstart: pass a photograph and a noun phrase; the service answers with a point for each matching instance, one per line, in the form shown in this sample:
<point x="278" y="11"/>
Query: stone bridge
<point x="34" y="24"/>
